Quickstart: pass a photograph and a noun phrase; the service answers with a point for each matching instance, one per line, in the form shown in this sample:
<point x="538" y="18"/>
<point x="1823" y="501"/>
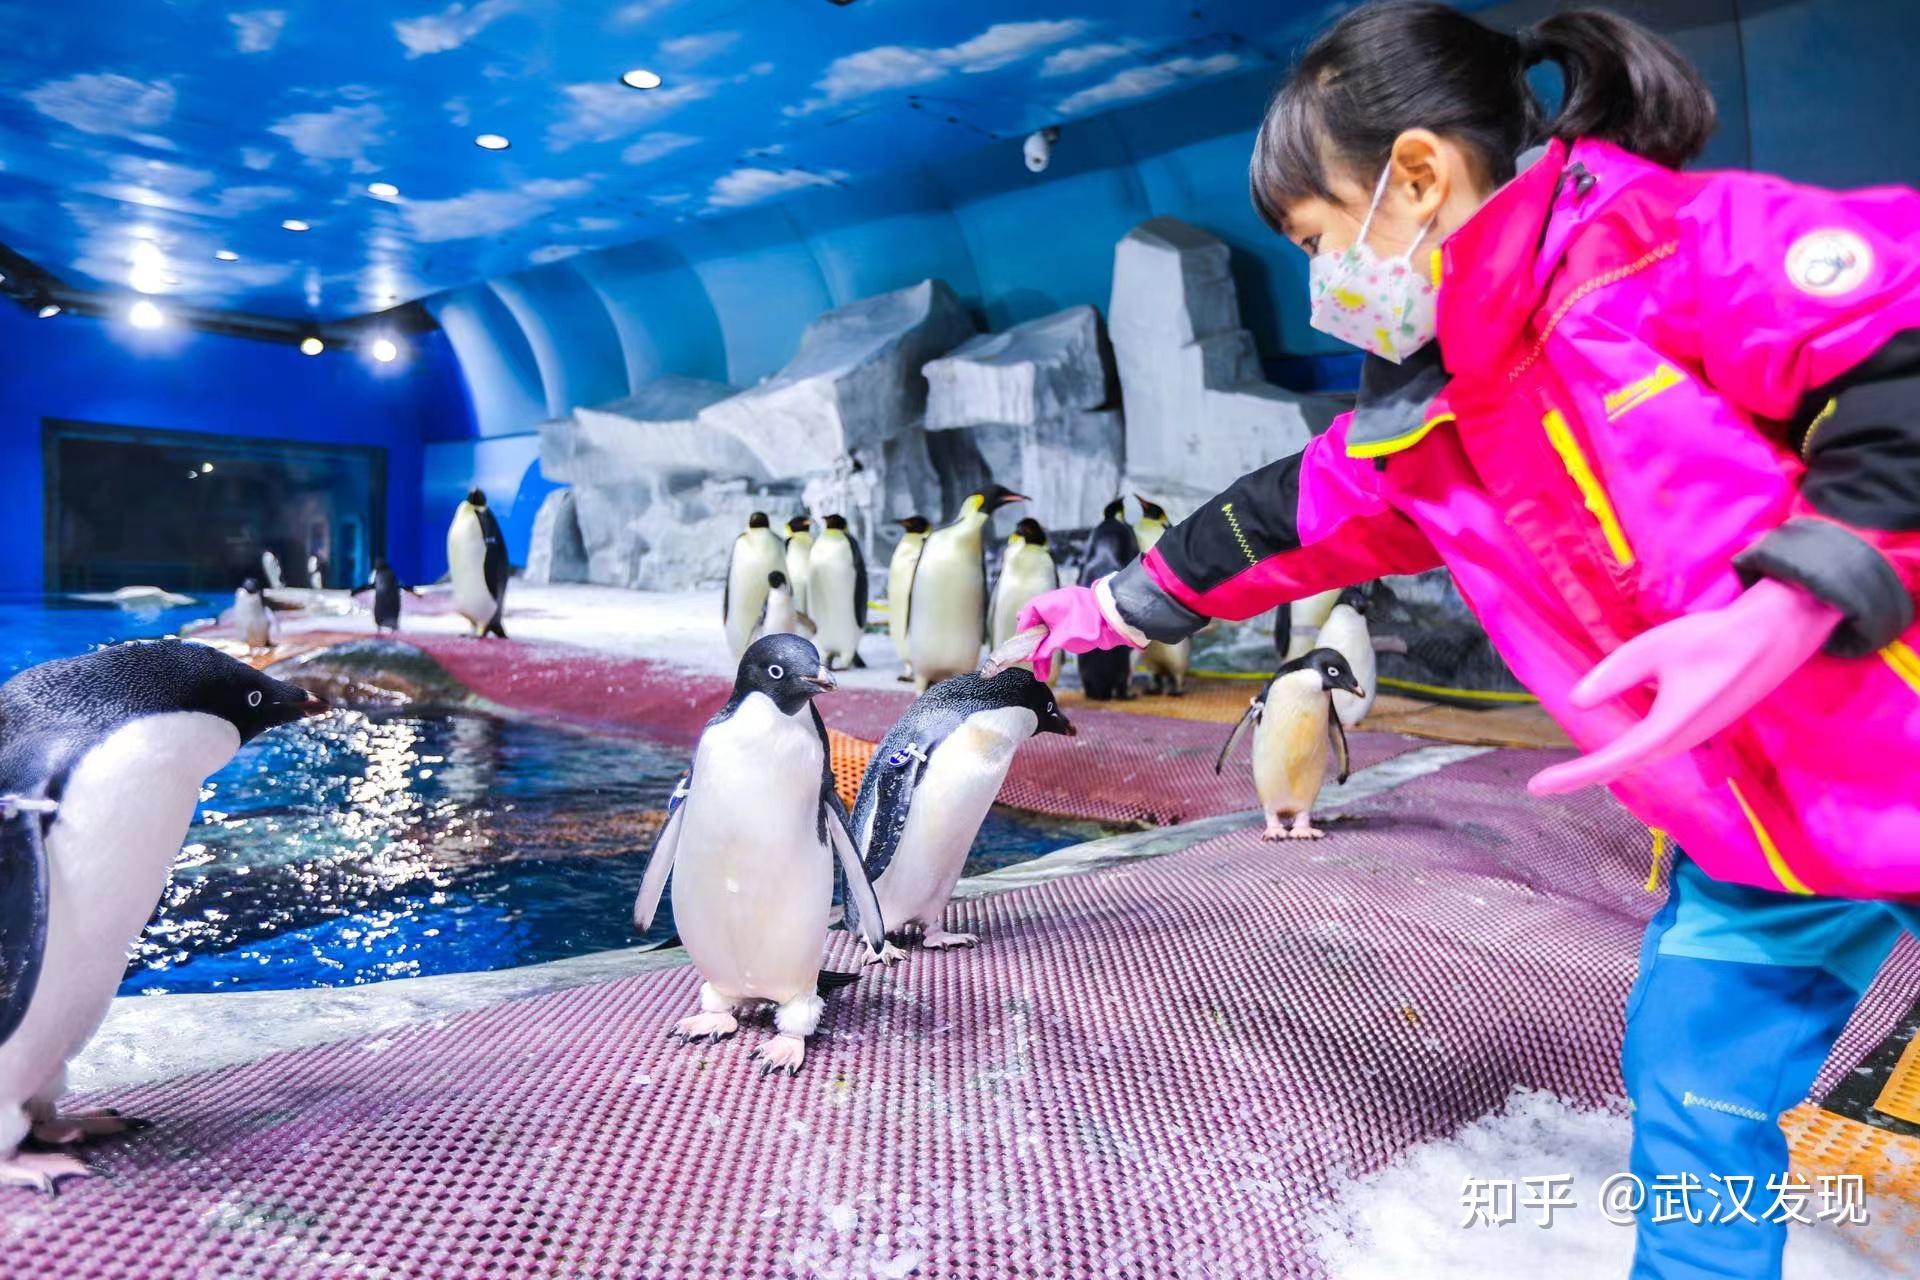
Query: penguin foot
<point x="60" y="1131"/>
<point x="1303" y="829"/>
<point x="940" y="940"/>
<point x="887" y="954"/>
<point x="706" y="1026"/>
<point x="41" y="1171"/>
<point x="1276" y="829"/>
<point x="782" y="1053"/>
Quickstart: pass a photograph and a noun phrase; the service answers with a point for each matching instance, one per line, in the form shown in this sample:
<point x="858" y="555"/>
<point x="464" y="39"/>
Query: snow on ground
<point x="1406" y="1219"/>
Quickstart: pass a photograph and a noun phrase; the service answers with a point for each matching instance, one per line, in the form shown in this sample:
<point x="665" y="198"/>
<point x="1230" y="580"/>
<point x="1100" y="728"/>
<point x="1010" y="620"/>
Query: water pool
<point x="358" y="848"/>
<point x="38" y="628"/>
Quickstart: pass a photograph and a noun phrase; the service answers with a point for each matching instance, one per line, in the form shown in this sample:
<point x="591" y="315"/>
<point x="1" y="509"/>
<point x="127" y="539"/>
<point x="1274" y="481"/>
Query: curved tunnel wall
<point x="727" y="298"/>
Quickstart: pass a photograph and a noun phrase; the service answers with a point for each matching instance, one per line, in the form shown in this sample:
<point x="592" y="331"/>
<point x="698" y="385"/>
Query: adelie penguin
<point x="799" y="547"/>
<point x="754" y="833"/>
<point x="1166" y="664"/>
<point x="906" y="554"/>
<point x="102" y="758"/>
<point x="251" y="617"/>
<point x="386" y="587"/>
<point x="947" y="601"/>
<point x="1105" y="674"/>
<point x="837" y="593"/>
<point x="1294" y="725"/>
<point x="928" y="788"/>
<point x="477" y="562"/>
<point x="756" y="554"/>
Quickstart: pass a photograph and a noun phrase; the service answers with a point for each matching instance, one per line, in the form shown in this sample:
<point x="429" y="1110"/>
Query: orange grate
<point x="1888" y="1165"/>
<point x="1900" y="1098"/>
<point x="850" y="756"/>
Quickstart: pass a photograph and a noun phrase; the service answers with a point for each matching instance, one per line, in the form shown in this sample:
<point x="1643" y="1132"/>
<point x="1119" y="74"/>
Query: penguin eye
<point x="776" y="671"/>
<point x="253" y="698"/>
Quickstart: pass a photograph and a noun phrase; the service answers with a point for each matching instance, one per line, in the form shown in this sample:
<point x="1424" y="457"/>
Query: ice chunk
<point x="667" y="532"/>
<point x="654" y="429"/>
<point x="556" y="552"/>
<point x="1032" y="373"/>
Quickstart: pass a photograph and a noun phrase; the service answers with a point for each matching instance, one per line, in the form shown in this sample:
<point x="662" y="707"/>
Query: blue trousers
<point x="1741" y="994"/>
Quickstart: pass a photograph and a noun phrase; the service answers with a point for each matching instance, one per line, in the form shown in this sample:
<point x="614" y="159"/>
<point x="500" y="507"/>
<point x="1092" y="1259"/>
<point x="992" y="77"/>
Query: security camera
<point x="1039" y="148"/>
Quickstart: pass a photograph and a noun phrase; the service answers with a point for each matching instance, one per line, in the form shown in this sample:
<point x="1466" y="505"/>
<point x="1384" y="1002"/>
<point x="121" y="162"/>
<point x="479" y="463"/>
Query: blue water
<point x="38" y="628"/>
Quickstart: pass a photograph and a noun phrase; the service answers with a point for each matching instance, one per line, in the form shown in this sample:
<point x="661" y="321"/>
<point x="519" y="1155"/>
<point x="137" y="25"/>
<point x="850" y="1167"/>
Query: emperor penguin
<point x="756" y="554"/>
<point x="102" y="758"/>
<point x="477" y="561"/>
<point x="837" y="593"/>
<point x="778" y="616"/>
<point x="1345" y="631"/>
<point x="754" y="832"/>
<point x="386" y="587"/>
<point x="270" y="568"/>
<point x="1293" y="725"/>
<point x="251" y="617"/>
<point x="799" y="548"/>
<point x="906" y="554"/>
<point x="1106" y="674"/>
<point x="947" y="603"/>
<point x="1167" y="664"/>
<point x="927" y="789"/>
<point x="1026" y="570"/>
<point x="1304" y="617"/>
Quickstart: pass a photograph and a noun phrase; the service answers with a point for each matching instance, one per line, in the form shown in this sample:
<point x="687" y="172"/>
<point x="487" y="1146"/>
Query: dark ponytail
<point x="1409" y="64"/>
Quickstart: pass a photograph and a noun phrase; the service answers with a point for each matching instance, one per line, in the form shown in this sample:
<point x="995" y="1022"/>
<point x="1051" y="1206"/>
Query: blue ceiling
<point x="194" y="126"/>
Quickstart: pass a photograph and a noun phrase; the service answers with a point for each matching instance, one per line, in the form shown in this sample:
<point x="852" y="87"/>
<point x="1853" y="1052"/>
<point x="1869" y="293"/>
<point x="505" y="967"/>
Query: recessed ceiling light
<point x="311" y="346"/>
<point x="226" y="255"/>
<point x="49" y="311"/>
<point x="385" y="351"/>
<point x="144" y="315"/>
<point x="491" y="142"/>
<point x="205" y="467"/>
<point x="641" y="78"/>
<point x="293" y="224"/>
<point x="385" y="190"/>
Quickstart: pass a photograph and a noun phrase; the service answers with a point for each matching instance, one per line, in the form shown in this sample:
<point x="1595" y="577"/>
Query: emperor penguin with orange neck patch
<point x="947" y="603"/>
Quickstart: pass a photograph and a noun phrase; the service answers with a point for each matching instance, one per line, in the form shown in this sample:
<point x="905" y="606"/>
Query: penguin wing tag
<point x="23" y="908"/>
<point x="1337" y="738"/>
<point x="660" y="863"/>
<point x="1018" y="648"/>
<point x="1251" y="717"/>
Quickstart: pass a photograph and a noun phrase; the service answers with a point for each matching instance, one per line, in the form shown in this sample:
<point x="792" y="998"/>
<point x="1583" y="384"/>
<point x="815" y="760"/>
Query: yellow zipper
<point x="1659" y="852"/>
<point x="1806" y="442"/>
<point x="1781" y="871"/>
<point x="1591" y="492"/>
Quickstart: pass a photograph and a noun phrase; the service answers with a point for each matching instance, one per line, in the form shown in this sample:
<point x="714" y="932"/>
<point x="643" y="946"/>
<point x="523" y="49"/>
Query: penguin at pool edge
<point x="386" y="587"/>
<point x="1294" y="726"/>
<point x="477" y="563"/>
<point x="101" y="766"/>
<point x="1107" y="674"/>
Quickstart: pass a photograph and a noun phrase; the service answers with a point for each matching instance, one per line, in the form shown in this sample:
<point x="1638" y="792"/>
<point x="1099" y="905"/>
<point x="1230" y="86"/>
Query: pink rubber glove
<point x="1074" y="623"/>
<point x="1711" y="669"/>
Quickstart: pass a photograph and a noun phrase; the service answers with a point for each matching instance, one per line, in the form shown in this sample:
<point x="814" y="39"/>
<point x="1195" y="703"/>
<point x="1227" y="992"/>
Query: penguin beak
<point x="1351" y="685"/>
<point x="822" y="681"/>
<point x="1008" y="499"/>
<point x="314" y="705"/>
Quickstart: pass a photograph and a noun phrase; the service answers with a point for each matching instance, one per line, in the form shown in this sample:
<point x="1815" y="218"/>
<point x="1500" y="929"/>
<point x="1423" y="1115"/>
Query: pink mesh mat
<point x="1156" y="1070"/>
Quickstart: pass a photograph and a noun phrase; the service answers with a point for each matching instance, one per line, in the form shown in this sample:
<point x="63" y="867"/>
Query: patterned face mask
<point x="1379" y="305"/>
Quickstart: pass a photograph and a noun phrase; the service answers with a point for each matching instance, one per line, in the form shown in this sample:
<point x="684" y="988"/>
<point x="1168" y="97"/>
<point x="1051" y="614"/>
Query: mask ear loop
<point x="1380" y="190"/>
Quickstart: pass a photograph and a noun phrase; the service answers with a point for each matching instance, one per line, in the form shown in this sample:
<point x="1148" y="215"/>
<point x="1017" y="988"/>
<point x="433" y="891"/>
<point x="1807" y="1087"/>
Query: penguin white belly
<point x="830" y="590"/>
<point x="899" y="585"/>
<point x="126" y="808"/>
<point x="753" y="559"/>
<point x="1346" y="632"/>
<point x="1290" y="746"/>
<point x="1027" y="573"/>
<point x="1309" y="615"/>
<point x="250" y="619"/>
<point x="752" y="883"/>
<point x="963" y="776"/>
<point x="944" y="631"/>
<point x="799" y="552"/>
<point x="467" y="565"/>
<point x="1168" y="659"/>
<point x="781" y="617"/>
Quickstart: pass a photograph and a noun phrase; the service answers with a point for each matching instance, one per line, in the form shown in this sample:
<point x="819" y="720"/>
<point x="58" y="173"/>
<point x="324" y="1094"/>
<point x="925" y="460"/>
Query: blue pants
<point x="1740" y="996"/>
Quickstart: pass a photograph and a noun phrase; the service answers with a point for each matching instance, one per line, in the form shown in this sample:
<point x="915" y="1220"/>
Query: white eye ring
<point x="253" y="699"/>
<point x="776" y="671"/>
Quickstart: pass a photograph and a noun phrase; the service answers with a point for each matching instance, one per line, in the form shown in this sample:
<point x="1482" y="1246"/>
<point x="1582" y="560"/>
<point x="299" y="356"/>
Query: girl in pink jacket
<point x="1664" y="429"/>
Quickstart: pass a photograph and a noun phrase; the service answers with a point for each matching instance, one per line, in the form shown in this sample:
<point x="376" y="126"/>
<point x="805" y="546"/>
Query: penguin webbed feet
<point x="64" y="1130"/>
<point x="782" y="1053"/>
<point x="42" y="1170"/>
<point x="705" y="1026"/>
<point x="888" y="954"/>
<point x="940" y="940"/>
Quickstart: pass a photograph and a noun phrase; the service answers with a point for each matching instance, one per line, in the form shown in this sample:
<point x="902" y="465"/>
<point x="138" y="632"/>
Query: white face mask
<point x="1383" y="306"/>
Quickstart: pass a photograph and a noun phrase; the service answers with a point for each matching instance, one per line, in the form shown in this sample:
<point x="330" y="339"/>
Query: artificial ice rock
<point x="1199" y="413"/>
<point x="654" y="429"/>
<point x="556" y="552"/>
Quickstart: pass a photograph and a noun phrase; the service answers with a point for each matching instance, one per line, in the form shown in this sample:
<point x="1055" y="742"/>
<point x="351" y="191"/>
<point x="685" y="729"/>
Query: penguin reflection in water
<point x="927" y="790"/>
<point x="101" y="762"/>
<point x="1294" y="724"/>
<point x="755" y="831"/>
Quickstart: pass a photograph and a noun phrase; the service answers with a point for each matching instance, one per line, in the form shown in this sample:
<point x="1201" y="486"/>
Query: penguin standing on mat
<point x="386" y="587"/>
<point x="1026" y="570"/>
<point x="1106" y="674"/>
<point x="906" y="554"/>
<point x="477" y="562"/>
<point x="947" y="603"/>
<point x="754" y="833"/>
<point x="251" y="617"/>
<point x="102" y="758"/>
<point x="928" y="788"/>
<point x="1294" y="724"/>
<point x="798" y="550"/>
<point x="757" y="553"/>
<point x="1345" y="631"/>
<point x="1166" y="664"/>
<point x="837" y="594"/>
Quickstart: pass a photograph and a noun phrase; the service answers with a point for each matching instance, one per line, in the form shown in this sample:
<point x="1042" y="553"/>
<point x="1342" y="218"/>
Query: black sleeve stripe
<point x="1862" y="447"/>
<point x="1254" y="520"/>
<point x="1898" y="359"/>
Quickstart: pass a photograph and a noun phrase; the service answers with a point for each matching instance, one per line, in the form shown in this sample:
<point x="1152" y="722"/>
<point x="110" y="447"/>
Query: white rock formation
<point x="556" y="552"/>
<point x="1199" y="413"/>
<point x="1031" y="399"/>
<point x="654" y="429"/>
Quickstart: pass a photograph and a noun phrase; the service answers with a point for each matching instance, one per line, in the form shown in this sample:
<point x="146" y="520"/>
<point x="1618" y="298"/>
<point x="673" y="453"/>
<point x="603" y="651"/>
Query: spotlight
<point x="384" y="190"/>
<point x="226" y="255"/>
<point x="205" y="467"/>
<point x="641" y="78"/>
<point x="311" y="346"/>
<point x="491" y="142"/>
<point x="385" y="351"/>
<point x="144" y="315"/>
<point x="293" y="224"/>
<point x="49" y="311"/>
<point x="1038" y="149"/>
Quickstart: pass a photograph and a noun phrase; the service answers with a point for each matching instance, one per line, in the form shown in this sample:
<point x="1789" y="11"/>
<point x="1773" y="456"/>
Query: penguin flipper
<point x="862" y="906"/>
<point x="660" y="863"/>
<point x="859" y="585"/>
<point x="1252" y="717"/>
<point x="832" y="980"/>
<point x="1337" y="737"/>
<point x="23" y="916"/>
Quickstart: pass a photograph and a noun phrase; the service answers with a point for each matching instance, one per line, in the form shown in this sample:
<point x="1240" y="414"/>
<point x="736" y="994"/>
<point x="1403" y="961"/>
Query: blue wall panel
<point x="573" y="340"/>
<point x="506" y="467"/>
<point x="503" y="379"/>
<point x="660" y="310"/>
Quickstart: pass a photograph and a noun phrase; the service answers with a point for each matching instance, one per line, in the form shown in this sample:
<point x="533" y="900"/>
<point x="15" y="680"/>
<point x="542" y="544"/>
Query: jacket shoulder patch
<point x="1829" y="262"/>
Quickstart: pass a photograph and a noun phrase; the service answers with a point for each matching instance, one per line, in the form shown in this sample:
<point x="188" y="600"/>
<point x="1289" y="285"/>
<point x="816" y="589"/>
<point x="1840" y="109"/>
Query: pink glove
<point x="1711" y="669"/>
<point x="1074" y="623"/>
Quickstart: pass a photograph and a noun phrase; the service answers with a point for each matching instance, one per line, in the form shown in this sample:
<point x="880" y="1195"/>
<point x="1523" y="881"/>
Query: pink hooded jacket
<point x="1658" y="386"/>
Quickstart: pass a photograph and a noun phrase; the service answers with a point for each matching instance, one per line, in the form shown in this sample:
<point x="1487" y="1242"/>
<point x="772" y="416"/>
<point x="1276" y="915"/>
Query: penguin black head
<point x="758" y="520"/>
<point x="250" y="585"/>
<point x="1116" y="510"/>
<point x="786" y="668"/>
<point x="154" y="677"/>
<point x="1014" y="687"/>
<point x="1357" y="599"/>
<point x="837" y="523"/>
<point x="1030" y="532"/>
<point x="799" y="524"/>
<point x="1335" y="672"/>
<point x="996" y="496"/>
<point x="776" y="580"/>
<point x="1151" y="510"/>
<point x="476" y="497"/>
<point x="915" y="524"/>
